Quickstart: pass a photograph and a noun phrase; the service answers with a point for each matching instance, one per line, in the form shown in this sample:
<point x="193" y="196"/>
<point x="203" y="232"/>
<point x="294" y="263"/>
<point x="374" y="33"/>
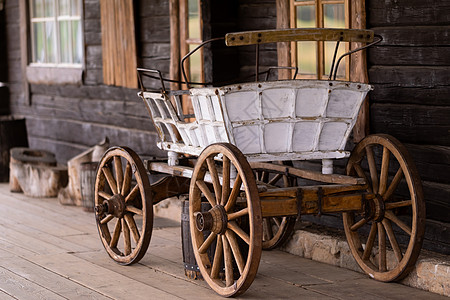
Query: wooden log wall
<point x="67" y="119"/>
<point x="257" y="15"/>
<point x="411" y="99"/>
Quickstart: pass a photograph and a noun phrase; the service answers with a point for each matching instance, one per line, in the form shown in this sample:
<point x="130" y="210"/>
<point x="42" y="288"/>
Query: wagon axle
<point x="214" y="220"/>
<point x="113" y="206"/>
<point x="374" y="208"/>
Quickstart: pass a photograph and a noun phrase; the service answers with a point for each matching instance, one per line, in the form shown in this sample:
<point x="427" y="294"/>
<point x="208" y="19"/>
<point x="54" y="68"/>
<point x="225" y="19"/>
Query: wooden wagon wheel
<point x="394" y="218"/>
<point x="234" y="221"/>
<point x="276" y="229"/>
<point x="123" y="205"/>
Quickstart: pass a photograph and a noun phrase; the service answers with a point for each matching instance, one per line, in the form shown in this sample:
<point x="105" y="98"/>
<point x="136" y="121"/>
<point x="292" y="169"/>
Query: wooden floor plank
<point x="5" y="296"/>
<point x="175" y="282"/>
<point x="100" y="279"/>
<point x="22" y="288"/>
<point x="56" y="241"/>
<point x="42" y="222"/>
<point x="52" y="210"/>
<point x="366" y="288"/>
<point x="40" y="276"/>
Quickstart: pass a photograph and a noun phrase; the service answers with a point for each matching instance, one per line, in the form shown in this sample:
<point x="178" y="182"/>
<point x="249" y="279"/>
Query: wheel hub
<point x="214" y="220"/>
<point x="374" y="209"/>
<point x="114" y="206"/>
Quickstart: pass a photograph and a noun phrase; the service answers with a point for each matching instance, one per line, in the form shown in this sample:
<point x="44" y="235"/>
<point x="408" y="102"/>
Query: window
<point x="314" y="58"/>
<point x="191" y="37"/>
<point x="186" y="34"/>
<point x="56" y="36"/>
<point x="53" y="52"/>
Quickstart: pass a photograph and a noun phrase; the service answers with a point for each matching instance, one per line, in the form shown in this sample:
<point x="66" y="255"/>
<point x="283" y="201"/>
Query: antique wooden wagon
<point x="236" y="153"/>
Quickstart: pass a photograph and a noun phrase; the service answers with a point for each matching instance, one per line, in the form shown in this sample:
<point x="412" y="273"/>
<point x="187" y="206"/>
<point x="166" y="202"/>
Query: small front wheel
<point x="123" y="205"/>
<point x="233" y="225"/>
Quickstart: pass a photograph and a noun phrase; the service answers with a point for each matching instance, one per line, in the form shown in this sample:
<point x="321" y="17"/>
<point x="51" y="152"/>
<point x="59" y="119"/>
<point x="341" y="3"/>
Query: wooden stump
<point x="35" y="173"/>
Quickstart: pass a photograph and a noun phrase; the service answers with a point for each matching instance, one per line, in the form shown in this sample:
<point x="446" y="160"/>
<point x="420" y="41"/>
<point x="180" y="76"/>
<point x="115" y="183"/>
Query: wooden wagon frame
<point x="237" y="155"/>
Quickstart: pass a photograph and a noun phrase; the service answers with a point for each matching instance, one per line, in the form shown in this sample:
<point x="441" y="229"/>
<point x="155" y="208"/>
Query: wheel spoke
<point x="234" y="193"/>
<point x="226" y="173"/>
<point x="372" y="168"/>
<point x="231" y="237"/>
<point x="238" y="230"/>
<point x="204" y="247"/>
<point x="390" y="233"/>
<point x="126" y="237"/>
<point x="381" y="248"/>
<point x="119" y="172"/>
<point x="133" y="228"/>
<point x="105" y="233"/>
<point x="288" y="181"/>
<point x="127" y="180"/>
<point x="238" y="214"/>
<point x="215" y="179"/>
<point x="390" y="215"/>
<point x="267" y="229"/>
<point x="116" y="234"/>
<point x="370" y="242"/>
<point x="258" y="176"/>
<point x="104" y="195"/>
<point x="275" y="179"/>
<point x="384" y="171"/>
<point x="265" y="176"/>
<point x="133" y="209"/>
<point x="358" y="224"/>
<point x="277" y="221"/>
<point x="359" y="170"/>
<point x="110" y="179"/>
<point x="392" y="205"/>
<point x="397" y="178"/>
<point x="228" y="261"/>
<point x="205" y="190"/>
<point x="132" y="195"/>
<point x="106" y="219"/>
<point x="217" y="263"/>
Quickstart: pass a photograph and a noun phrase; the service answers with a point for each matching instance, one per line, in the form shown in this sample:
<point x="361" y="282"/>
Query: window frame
<point x="320" y="48"/>
<point x="186" y="41"/>
<point x="47" y="73"/>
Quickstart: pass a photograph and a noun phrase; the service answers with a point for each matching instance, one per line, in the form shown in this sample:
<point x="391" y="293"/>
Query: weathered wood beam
<point x="312" y="175"/>
<point x="283" y="49"/>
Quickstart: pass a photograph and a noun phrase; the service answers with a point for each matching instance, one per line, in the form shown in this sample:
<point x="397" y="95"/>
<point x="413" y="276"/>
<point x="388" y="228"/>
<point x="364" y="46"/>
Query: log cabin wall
<point x="67" y="119"/>
<point x="257" y="15"/>
<point x="411" y="100"/>
<point x="237" y="64"/>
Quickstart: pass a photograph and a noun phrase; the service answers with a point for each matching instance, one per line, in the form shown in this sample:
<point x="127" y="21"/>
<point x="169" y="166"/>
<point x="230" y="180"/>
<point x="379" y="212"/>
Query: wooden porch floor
<point x="49" y="251"/>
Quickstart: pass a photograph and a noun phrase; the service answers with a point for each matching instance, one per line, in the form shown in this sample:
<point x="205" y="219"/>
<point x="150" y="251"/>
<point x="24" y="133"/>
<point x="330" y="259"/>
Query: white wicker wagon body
<point x="280" y="120"/>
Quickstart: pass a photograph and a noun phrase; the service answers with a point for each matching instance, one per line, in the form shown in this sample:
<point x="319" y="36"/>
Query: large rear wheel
<point x="387" y="237"/>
